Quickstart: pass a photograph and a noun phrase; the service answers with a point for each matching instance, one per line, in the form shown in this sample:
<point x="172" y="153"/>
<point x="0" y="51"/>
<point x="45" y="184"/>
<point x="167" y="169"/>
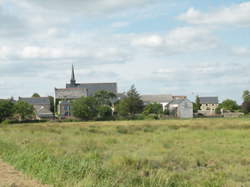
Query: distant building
<point x="41" y="106"/>
<point x="74" y="90"/>
<point x="164" y="100"/>
<point x="91" y="87"/>
<point x="208" y="105"/>
<point x="181" y="108"/>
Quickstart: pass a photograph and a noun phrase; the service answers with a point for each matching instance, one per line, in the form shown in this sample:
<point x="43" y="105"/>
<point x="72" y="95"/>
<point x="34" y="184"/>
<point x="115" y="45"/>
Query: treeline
<point x="15" y="111"/>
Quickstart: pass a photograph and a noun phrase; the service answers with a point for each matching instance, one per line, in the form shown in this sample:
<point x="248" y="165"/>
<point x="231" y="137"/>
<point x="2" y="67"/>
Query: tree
<point x="246" y="102"/>
<point x="23" y="110"/>
<point x="130" y="105"/>
<point x="35" y="95"/>
<point x="6" y="109"/>
<point x="197" y="104"/>
<point x="227" y="105"/>
<point x="104" y="112"/>
<point x="52" y="105"/>
<point x="104" y="97"/>
<point x="85" y="108"/>
<point x="153" y="108"/>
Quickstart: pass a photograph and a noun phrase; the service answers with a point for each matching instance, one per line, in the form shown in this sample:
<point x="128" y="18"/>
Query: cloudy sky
<point x="180" y="47"/>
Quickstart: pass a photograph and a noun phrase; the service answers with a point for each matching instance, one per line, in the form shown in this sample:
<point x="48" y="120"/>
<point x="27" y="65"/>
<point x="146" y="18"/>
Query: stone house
<point x="181" y="108"/>
<point x="208" y="105"/>
<point x="41" y="106"/>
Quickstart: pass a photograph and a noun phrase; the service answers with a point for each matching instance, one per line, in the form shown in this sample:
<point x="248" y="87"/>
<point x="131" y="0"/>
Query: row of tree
<point x="19" y="110"/>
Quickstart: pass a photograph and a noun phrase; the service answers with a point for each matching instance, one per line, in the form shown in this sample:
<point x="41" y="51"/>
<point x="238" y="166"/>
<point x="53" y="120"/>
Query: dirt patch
<point x="9" y="177"/>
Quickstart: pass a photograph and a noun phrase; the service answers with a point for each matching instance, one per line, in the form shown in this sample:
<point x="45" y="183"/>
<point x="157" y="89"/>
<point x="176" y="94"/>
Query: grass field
<point x="202" y="152"/>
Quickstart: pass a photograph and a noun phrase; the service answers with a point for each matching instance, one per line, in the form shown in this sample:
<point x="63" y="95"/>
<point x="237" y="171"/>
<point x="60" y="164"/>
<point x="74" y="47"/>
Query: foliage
<point x="246" y="96"/>
<point x="104" y="112"/>
<point x="85" y="108"/>
<point x="197" y="104"/>
<point x="52" y="105"/>
<point x="35" y="95"/>
<point x="104" y="97"/>
<point x="245" y="107"/>
<point x="23" y="110"/>
<point x="6" y="109"/>
<point x="153" y="108"/>
<point x="228" y="105"/>
<point x="246" y="102"/>
<point x="130" y="105"/>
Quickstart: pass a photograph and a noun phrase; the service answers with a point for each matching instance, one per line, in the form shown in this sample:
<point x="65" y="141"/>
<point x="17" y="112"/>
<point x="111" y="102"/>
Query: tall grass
<point x="131" y="153"/>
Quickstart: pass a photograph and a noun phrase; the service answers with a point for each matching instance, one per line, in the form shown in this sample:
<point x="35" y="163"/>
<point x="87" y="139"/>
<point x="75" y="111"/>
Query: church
<point x="74" y="90"/>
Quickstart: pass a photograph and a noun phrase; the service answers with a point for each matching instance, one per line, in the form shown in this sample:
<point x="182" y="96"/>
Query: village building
<point x="164" y="100"/>
<point x="208" y="105"/>
<point x="181" y="108"/>
<point x="41" y="106"/>
<point x="74" y="90"/>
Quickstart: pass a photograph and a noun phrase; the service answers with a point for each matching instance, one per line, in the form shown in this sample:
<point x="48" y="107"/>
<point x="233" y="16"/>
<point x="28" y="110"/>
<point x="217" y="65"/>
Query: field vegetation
<point x="199" y="152"/>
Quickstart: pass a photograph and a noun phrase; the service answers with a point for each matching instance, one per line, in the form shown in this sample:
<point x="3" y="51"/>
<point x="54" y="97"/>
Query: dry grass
<point x="199" y="152"/>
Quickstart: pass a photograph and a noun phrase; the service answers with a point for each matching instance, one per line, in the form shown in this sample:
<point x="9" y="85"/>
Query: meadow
<point x="198" y="152"/>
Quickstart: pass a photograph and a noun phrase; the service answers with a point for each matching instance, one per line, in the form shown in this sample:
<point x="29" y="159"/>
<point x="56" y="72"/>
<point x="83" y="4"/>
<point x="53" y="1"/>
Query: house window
<point x="66" y="107"/>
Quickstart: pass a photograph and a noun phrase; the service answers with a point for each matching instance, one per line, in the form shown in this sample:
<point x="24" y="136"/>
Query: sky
<point x="178" y="47"/>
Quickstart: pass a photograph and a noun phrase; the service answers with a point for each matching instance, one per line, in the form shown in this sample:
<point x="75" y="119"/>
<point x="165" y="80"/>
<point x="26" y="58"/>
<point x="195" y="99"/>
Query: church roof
<point x="70" y="93"/>
<point x="94" y="87"/>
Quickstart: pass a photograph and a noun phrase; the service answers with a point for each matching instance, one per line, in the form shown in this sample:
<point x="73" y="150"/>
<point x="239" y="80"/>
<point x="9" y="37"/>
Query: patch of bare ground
<point x="9" y="177"/>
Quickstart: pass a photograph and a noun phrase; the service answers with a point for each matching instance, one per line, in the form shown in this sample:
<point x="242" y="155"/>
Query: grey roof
<point x="36" y="100"/>
<point x="157" y="98"/>
<point x="178" y="101"/>
<point x="43" y="111"/>
<point x="70" y="93"/>
<point x="94" y="87"/>
<point x="209" y="100"/>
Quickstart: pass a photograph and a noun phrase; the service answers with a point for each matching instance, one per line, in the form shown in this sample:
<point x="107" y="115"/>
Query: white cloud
<point x="89" y="7"/>
<point x="235" y="15"/>
<point x="120" y="24"/>
<point x="241" y="51"/>
<point x="179" y="40"/>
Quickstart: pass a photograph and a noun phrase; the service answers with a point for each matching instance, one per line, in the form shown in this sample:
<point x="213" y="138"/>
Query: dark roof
<point x="178" y="101"/>
<point x="94" y="87"/>
<point x="36" y="100"/>
<point x="156" y="98"/>
<point x="209" y="100"/>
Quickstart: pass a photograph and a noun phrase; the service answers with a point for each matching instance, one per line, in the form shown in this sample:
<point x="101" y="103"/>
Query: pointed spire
<point x="72" y="80"/>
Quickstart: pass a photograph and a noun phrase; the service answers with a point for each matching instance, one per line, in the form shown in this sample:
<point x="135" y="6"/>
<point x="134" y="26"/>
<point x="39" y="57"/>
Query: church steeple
<point x="73" y="80"/>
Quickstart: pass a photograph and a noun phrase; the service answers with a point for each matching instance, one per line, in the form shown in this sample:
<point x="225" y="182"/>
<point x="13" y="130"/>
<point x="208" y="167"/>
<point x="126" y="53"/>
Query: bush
<point x="6" y="122"/>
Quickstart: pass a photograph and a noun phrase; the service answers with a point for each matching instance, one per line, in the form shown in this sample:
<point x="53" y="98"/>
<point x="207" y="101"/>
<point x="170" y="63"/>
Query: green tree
<point x="228" y="105"/>
<point x="52" y="105"/>
<point x="85" y="108"/>
<point x="130" y="105"/>
<point x="104" y="97"/>
<point x="245" y="107"/>
<point x="246" y="102"/>
<point x="246" y="96"/>
<point x="23" y="110"/>
<point x="6" y="109"/>
<point x="35" y="95"/>
<point x="153" y="108"/>
<point x="104" y="112"/>
<point x="197" y="104"/>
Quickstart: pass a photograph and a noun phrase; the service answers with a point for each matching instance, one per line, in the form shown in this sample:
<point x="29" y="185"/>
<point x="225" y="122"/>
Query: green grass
<point x="204" y="152"/>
